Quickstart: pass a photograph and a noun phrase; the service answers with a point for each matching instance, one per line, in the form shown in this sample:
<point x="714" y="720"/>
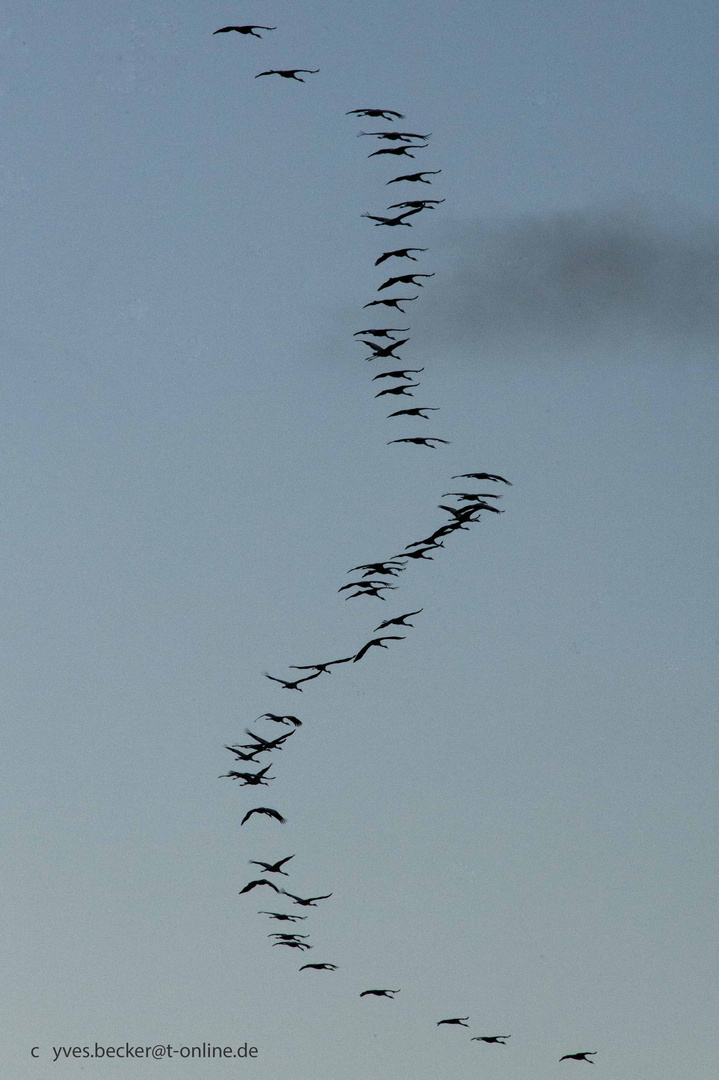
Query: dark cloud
<point x="619" y="276"/>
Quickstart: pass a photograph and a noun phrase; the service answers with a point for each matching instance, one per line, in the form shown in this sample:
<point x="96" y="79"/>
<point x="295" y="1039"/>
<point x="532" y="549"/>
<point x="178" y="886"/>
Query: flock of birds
<point x="378" y="576"/>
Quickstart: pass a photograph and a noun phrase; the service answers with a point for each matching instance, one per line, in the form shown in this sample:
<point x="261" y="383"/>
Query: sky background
<point x="513" y="807"/>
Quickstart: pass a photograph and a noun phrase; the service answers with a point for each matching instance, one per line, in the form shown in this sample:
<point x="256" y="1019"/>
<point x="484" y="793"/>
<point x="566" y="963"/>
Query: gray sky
<point x="513" y="806"/>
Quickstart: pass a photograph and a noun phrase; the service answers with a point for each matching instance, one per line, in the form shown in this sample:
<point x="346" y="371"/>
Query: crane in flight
<point x="310" y="902"/>
<point x="287" y="720"/>
<point x="394" y="302"/>
<point x="455" y="1020"/>
<point x="244" y="30"/>
<point x="260" y="881"/>
<point x="290" y="685"/>
<point x="415" y="178"/>
<point x="319" y="967"/>
<point x="398" y="621"/>
<point x="491" y="1039"/>
<point x="398" y="151"/>
<point x="480" y="476"/>
<point x="421" y="440"/>
<point x="415" y="412"/>
<point x="403" y="279"/>
<point x="291" y="73"/>
<point x="281" y="917"/>
<point x="272" y="868"/>
<point x="377" y="642"/>
<point x="583" y="1056"/>
<point x="250" y="779"/>
<point x="399" y="253"/>
<point x="385" y="114"/>
<point x="267" y="811"/>
<point x="394" y="136"/>
<point x="380" y="993"/>
<point x="383" y="332"/>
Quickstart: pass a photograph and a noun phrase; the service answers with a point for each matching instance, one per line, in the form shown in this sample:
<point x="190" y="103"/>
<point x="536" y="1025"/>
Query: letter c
<point x="32" y="1052"/>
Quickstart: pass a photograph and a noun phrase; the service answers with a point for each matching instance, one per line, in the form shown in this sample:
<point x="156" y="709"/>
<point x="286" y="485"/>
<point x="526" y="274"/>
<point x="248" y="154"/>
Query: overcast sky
<point x="514" y="806"/>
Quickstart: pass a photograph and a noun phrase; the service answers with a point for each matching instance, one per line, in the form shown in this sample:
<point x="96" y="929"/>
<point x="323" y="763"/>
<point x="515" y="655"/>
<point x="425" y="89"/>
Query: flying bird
<point x="414" y="412"/>
<point x="391" y="566"/>
<point x="250" y="779"/>
<point x="422" y="204"/>
<point x="399" y="620"/>
<point x="421" y="440"/>
<point x="394" y="302"/>
<point x="386" y="114"/>
<point x="390" y="222"/>
<point x="310" y="902"/>
<point x="393" y="136"/>
<point x="380" y="352"/>
<point x="290" y="685"/>
<point x="400" y="253"/>
<point x="290" y="74"/>
<point x="281" y="719"/>
<point x="260" y="881"/>
<point x="398" y="150"/>
<point x="320" y="967"/>
<point x="455" y="1020"/>
<point x="263" y="810"/>
<point x="241" y="756"/>
<point x="380" y="993"/>
<point x="403" y="373"/>
<point x="373" y="590"/>
<point x="404" y="388"/>
<point x="319" y="668"/>
<point x="244" y="30"/>
<point x="480" y="476"/>
<point x="415" y="177"/>
<point x="266" y="744"/>
<point x="281" y="917"/>
<point x="293" y="944"/>
<point x="384" y="332"/>
<point x="584" y="1056"/>
<point x="404" y="279"/>
<point x="377" y="642"/>
<point x="272" y="868"/>
<point x="490" y="1039"/>
<point x="291" y="937"/>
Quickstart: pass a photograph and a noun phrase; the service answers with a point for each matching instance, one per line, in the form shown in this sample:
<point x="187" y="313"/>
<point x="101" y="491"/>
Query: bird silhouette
<point x="416" y="177"/>
<point x="273" y="868"/>
<point x="490" y="1039"/>
<point x="480" y="476"/>
<point x="404" y="389"/>
<point x="420" y="440"/>
<point x="403" y="279"/>
<point x="393" y="302"/>
<point x="260" y="881"/>
<point x="267" y="744"/>
<point x="380" y="993"/>
<point x="471" y="496"/>
<point x="268" y="811"/>
<point x="394" y="136"/>
<point x="399" y="151"/>
<point x="369" y="584"/>
<point x="281" y="917"/>
<point x="380" y="352"/>
<point x="583" y="1056"/>
<point x="398" y="374"/>
<point x="385" y="114"/>
<point x="422" y="204"/>
<point x="398" y="621"/>
<point x="291" y="937"/>
<point x="319" y="967"/>
<point x="241" y="756"/>
<point x="310" y="902"/>
<point x="390" y="222"/>
<point x="293" y="944"/>
<point x="320" y="668"/>
<point x="250" y="779"/>
<point x="290" y="685"/>
<point x="399" y="253"/>
<point x="383" y="332"/>
<point x="290" y="73"/>
<point x="455" y="1020"/>
<point x="245" y="30"/>
<point x="377" y="643"/>
<point x="390" y="566"/>
<point x="414" y="412"/>
<point x="287" y="720"/>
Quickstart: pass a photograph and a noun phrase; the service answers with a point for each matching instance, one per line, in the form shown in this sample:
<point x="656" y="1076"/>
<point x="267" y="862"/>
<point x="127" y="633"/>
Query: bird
<point x="583" y="1056"/>
<point x="393" y="302"/>
<point x="267" y="744"/>
<point x="400" y="253"/>
<point x="398" y="621"/>
<point x="244" y="30"/>
<point x="377" y="642"/>
<point x="319" y="668"/>
<point x="403" y="279"/>
<point x="415" y="177"/>
<point x="422" y="204"/>
<point x="393" y="136"/>
<point x="390" y="222"/>
<point x="381" y="567"/>
<point x="490" y="1039"/>
<point x="369" y="584"/>
<point x="380" y="993"/>
<point x="480" y="476"/>
<point x="310" y="902"/>
<point x="385" y="114"/>
<point x="398" y="150"/>
<point x="294" y="944"/>
<point x="260" y="881"/>
<point x="455" y="1020"/>
<point x="421" y="553"/>
<point x="399" y="373"/>
<point x="273" y="868"/>
<point x="250" y="779"/>
<point x="290" y="685"/>
<point x="420" y="440"/>
<point x="282" y="719"/>
<point x="241" y="756"/>
<point x="404" y="388"/>
<point x="372" y="591"/>
<point x="383" y="332"/>
<point x="320" y="967"/>
<point x="281" y="917"/>
<point x="263" y="810"/>
<point x="290" y="74"/>
<point x="476" y="505"/>
<point x="414" y="412"/>
<point x="380" y="352"/>
<point x="471" y="496"/>
<point x="291" y="937"/>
